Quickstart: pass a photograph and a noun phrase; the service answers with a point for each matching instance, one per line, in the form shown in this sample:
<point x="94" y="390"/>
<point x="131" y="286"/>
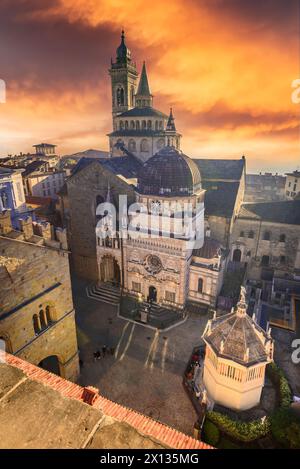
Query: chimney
<point x="5" y="222"/>
<point x="26" y="227"/>
<point x="90" y="395"/>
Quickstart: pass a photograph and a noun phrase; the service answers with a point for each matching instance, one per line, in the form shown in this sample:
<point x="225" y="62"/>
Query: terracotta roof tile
<point x="166" y="435"/>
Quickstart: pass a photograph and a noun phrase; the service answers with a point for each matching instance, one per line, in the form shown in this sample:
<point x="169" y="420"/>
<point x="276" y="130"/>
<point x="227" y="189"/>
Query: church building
<point x="146" y="164"/>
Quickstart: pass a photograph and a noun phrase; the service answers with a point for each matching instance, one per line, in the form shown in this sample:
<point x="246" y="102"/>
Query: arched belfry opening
<point x="51" y="363"/>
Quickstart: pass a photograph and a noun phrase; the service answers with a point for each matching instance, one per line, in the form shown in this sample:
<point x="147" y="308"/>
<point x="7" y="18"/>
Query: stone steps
<point x="105" y="292"/>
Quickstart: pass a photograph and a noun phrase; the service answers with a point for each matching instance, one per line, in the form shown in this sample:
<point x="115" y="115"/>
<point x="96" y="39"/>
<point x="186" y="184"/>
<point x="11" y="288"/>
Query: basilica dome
<point x="169" y="173"/>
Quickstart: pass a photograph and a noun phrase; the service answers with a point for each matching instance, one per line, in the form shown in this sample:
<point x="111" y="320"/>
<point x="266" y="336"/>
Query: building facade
<point x="292" y="185"/>
<point x="37" y="318"/>
<point x="12" y="196"/>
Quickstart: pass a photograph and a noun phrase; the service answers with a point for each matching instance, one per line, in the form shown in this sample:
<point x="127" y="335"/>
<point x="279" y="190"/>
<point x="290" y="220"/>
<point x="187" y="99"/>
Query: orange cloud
<point x="225" y="66"/>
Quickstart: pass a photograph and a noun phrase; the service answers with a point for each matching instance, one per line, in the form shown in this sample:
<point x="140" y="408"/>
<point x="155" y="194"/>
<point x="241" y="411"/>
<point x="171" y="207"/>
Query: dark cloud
<point x="51" y="53"/>
<point x="253" y="15"/>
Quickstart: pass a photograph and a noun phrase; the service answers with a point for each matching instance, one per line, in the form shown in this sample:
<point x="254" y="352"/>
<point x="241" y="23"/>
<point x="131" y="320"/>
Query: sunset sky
<point x="225" y="66"/>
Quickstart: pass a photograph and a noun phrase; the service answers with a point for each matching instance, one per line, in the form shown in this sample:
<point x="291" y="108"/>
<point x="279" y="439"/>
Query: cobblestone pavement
<point x="146" y="370"/>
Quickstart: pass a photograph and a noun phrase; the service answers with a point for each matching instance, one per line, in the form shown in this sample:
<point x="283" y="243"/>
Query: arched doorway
<point x="152" y="294"/>
<point x="237" y="255"/>
<point x="110" y="270"/>
<point x="5" y="345"/>
<point x="51" y="364"/>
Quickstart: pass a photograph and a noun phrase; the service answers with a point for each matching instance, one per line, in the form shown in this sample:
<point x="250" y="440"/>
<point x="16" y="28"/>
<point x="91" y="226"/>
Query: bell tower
<point x="124" y="78"/>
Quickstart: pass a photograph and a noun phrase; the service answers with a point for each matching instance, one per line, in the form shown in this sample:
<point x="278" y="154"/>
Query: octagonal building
<point x="237" y="352"/>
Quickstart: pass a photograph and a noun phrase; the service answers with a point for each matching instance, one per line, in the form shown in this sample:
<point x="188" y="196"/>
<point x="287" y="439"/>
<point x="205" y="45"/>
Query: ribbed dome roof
<point x="169" y="173"/>
<point x="237" y="337"/>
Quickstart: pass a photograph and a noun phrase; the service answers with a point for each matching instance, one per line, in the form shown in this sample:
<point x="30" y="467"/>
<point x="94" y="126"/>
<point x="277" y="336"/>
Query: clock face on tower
<point x="155" y="207"/>
<point x="153" y="264"/>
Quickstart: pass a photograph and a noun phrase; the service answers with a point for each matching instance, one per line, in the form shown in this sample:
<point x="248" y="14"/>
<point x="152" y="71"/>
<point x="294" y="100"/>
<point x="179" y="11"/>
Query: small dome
<point x="169" y="173"/>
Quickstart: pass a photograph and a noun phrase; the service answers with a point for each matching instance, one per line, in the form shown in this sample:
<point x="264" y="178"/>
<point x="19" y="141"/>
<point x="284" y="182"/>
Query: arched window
<point x="149" y="125"/>
<point x="131" y="145"/>
<point x="126" y="124"/>
<point x="200" y="285"/>
<point x="36" y="324"/>
<point x="160" y="125"/>
<point x="132" y="124"/>
<point x="137" y="125"/>
<point x="156" y="125"/>
<point x="267" y="236"/>
<point x="48" y="315"/>
<point x="43" y="321"/>
<point x="121" y="125"/>
<point x="132" y="96"/>
<point x="282" y="238"/>
<point x="120" y="96"/>
<point x="144" y="145"/>
<point x="251" y="234"/>
<point x="237" y="255"/>
<point x="160" y="143"/>
<point x="144" y="124"/>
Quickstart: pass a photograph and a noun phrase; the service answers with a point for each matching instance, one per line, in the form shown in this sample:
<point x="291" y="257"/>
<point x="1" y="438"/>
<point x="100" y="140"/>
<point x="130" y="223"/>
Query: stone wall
<point x="282" y="254"/>
<point x="83" y="190"/>
<point x="32" y="279"/>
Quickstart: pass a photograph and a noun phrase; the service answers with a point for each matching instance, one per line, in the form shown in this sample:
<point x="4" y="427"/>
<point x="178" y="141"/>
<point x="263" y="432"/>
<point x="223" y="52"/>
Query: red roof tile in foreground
<point x="166" y="435"/>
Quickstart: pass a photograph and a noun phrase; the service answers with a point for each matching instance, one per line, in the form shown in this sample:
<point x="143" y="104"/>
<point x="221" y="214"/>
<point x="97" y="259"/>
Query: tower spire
<point x="171" y="122"/>
<point x="143" y="96"/>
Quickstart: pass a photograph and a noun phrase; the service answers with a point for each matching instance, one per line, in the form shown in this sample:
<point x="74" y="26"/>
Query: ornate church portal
<point x="110" y="270"/>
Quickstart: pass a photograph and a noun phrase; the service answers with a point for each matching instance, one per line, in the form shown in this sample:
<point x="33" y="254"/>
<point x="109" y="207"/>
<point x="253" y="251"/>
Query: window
<point x="126" y="124"/>
<point x="132" y="125"/>
<point x="131" y="145"/>
<point x="282" y="238"/>
<point x="267" y="236"/>
<point x="36" y="324"/>
<point x="282" y="259"/>
<point x="242" y="234"/>
<point x="137" y="125"/>
<point x="200" y="285"/>
<point x="251" y="234"/>
<point x="120" y="97"/>
<point x="265" y="260"/>
<point x="149" y="125"/>
<point x="144" y="124"/>
<point x="170" y="296"/>
<point x="144" y="145"/>
<point x="136" y="287"/>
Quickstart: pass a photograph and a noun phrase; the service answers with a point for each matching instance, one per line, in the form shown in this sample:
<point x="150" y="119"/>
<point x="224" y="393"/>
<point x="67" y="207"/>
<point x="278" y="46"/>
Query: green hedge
<point x="284" y="392"/>
<point x="283" y="424"/>
<point x="243" y="431"/>
<point x="211" y="433"/>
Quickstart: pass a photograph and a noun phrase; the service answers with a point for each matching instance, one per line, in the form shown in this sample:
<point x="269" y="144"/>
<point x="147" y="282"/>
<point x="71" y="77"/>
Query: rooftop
<point x="42" y="410"/>
<point x="210" y="249"/>
<point x="286" y="211"/>
<point x="220" y="169"/>
<point x="143" y="112"/>
<point x="238" y="337"/>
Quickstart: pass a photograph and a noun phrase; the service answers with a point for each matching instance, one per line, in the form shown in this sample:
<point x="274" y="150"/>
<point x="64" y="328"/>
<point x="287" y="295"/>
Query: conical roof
<point x="143" y="88"/>
<point x="171" y="122"/>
